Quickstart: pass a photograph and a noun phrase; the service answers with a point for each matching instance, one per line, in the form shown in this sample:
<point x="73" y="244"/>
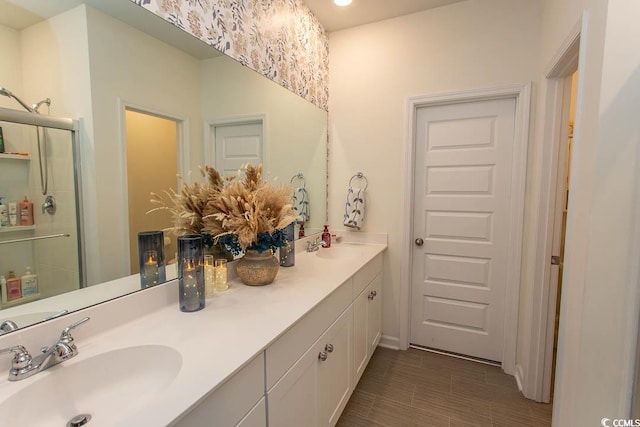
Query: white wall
<point x="375" y="68"/>
<point x="599" y="312"/>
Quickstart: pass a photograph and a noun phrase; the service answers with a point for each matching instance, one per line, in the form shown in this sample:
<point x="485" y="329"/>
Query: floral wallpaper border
<point x="280" y="39"/>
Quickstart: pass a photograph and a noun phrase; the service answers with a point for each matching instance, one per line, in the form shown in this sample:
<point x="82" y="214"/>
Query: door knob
<point x="419" y="242"/>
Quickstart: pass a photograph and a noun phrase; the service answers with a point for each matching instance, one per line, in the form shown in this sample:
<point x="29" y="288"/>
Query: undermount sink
<point x="109" y="387"/>
<point x="339" y="251"/>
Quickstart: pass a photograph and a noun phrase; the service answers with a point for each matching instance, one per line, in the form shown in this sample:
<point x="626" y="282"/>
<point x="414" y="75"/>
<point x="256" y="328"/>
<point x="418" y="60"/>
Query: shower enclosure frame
<point x="73" y="126"/>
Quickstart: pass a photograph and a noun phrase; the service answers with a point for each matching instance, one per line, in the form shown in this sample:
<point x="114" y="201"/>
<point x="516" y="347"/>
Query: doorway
<point x="521" y="95"/>
<point x="152" y="166"/>
<point x="559" y="211"/>
<point x="463" y="165"/>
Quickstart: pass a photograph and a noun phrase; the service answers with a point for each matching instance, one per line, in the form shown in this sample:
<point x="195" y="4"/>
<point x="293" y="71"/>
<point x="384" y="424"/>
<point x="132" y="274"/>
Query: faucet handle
<point x="65" y="336"/>
<point x="21" y="359"/>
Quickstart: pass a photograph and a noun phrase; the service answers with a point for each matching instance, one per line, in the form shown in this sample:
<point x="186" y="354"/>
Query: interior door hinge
<point x="555" y="260"/>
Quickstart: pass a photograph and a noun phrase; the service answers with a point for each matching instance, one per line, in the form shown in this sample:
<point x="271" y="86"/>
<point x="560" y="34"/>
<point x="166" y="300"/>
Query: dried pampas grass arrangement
<point x="245" y="213"/>
<point x="250" y="209"/>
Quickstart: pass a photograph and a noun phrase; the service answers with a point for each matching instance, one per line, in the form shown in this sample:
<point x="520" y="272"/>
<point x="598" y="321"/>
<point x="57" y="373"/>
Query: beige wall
<point x="152" y="159"/>
<point x="375" y="68"/>
<point x="164" y="80"/>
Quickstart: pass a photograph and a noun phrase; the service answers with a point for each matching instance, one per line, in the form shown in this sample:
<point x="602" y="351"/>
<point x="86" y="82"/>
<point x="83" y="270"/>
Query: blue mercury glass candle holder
<point x="151" y="258"/>
<point x="191" y="272"/>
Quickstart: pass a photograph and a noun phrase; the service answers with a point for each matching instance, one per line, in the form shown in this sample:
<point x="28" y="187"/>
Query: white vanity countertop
<point x="219" y="340"/>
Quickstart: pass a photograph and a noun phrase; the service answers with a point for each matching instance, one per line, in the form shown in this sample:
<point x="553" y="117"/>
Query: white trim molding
<point x="522" y="94"/>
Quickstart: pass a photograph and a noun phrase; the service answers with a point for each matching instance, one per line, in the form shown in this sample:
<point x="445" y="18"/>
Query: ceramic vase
<point x="257" y="268"/>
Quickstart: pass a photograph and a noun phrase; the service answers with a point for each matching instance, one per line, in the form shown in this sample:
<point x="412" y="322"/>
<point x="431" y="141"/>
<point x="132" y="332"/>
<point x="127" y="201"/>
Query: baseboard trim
<point x="392" y="343"/>
<point x="519" y="375"/>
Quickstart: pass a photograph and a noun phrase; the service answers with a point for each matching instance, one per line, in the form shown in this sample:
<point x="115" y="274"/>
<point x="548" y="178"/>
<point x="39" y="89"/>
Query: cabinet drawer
<point x="232" y="401"/>
<point x="283" y="353"/>
<point x="366" y="274"/>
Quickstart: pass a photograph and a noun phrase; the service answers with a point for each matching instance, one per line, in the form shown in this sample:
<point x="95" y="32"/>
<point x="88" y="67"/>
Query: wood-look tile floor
<point x="418" y="388"/>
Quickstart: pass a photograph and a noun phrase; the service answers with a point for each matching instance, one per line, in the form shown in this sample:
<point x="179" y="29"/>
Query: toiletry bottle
<point x="14" y="291"/>
<point x="1" y="141"/>
<point x="29" y="283"/>
<point x="13" y="213"/>
<point x="26" y="212"/>
<point x="326" y="237"/>
<point x="3" y="289"/>
<point x="4" y="214"/>
<point x="301" y="231"/>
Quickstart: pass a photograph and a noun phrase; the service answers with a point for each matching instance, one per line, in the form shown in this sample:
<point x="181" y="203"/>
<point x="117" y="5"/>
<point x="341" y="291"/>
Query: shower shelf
<point x="16" y="228"/>
<point x="14" y="156"/>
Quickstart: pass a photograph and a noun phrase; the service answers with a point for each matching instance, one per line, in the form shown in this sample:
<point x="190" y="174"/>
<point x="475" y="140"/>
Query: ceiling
<point x="332" y="17"/>
<point x="361" y="12"/>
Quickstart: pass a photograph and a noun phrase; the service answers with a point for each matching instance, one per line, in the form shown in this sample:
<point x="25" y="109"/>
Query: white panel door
<point x="461" y="215"/>
<point x="236" y="145"/>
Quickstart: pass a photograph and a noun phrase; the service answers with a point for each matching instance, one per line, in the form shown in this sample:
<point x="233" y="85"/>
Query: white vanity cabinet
<point x="367" y="314"/>
<point x="318" y="386"/>
<point x="310" y="373"/>
<point x="238" y="402"/>
<point x="306" y="376"/>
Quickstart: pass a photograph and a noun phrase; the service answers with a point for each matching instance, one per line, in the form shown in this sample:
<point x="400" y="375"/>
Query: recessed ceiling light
<point x="342" y="2"/>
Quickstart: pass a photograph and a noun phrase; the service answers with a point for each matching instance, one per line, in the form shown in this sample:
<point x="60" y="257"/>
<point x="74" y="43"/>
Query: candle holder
<point x="191" y="272"/>
<point x="151" y="258"/>
<point x="221" y="275"/>
<point x="209" y="276"/>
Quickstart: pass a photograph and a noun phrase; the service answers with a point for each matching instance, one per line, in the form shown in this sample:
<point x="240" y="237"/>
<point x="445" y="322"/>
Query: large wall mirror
<point x="151" y="101"/>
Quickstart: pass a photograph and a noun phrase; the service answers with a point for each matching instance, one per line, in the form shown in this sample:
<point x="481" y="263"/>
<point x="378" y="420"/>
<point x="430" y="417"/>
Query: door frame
<point x="522" y="95"/>
<point x="210" y="141"/>
<point x="537" y="351"/>
<point x="182" y="126"/>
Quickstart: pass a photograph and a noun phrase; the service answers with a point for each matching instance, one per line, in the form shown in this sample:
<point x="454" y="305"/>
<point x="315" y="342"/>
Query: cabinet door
<point x="361" y="342"/>
<point x="374" y="314"/>
<point x="257" y="417"/>
<point x="335" y="372"/>
<point x="293" y="400"/>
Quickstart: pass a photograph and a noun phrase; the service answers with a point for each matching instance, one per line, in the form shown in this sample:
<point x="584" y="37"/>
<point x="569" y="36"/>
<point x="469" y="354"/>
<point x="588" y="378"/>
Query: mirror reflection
<point x="151" y="102"/>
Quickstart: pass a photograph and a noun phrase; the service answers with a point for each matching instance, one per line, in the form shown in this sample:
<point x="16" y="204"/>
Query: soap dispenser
<point x="326" y="237"/>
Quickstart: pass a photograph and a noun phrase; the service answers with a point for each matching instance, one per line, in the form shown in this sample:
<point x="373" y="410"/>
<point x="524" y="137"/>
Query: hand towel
<point x="301" y="204"/>
<point x="354" y="209"/>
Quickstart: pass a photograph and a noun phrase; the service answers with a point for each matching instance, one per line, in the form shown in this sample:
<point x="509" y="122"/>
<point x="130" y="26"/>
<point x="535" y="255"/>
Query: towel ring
<point x="360" y="175"/>
<point x="299" y="176"/>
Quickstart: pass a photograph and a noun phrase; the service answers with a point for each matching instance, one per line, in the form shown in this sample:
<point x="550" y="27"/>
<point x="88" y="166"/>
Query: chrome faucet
<point x="23" y="365"/>
<point x="313" y="246"/>
<point x="7" y="326"/>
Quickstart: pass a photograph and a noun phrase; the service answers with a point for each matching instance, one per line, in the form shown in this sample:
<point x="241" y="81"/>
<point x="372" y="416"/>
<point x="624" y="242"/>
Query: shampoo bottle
<point x="1" y="142"/>
<point x="14" y="291"/>
<point x="26" y="212"/>
<point x="29" y="283"/>
<point x="4" y="214"/>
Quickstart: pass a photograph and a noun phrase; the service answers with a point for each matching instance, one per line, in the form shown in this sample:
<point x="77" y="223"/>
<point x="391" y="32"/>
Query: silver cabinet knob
<point x="322" y="356"/>
<point x="329" y="348"/>
<point x="419" y="242"/>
